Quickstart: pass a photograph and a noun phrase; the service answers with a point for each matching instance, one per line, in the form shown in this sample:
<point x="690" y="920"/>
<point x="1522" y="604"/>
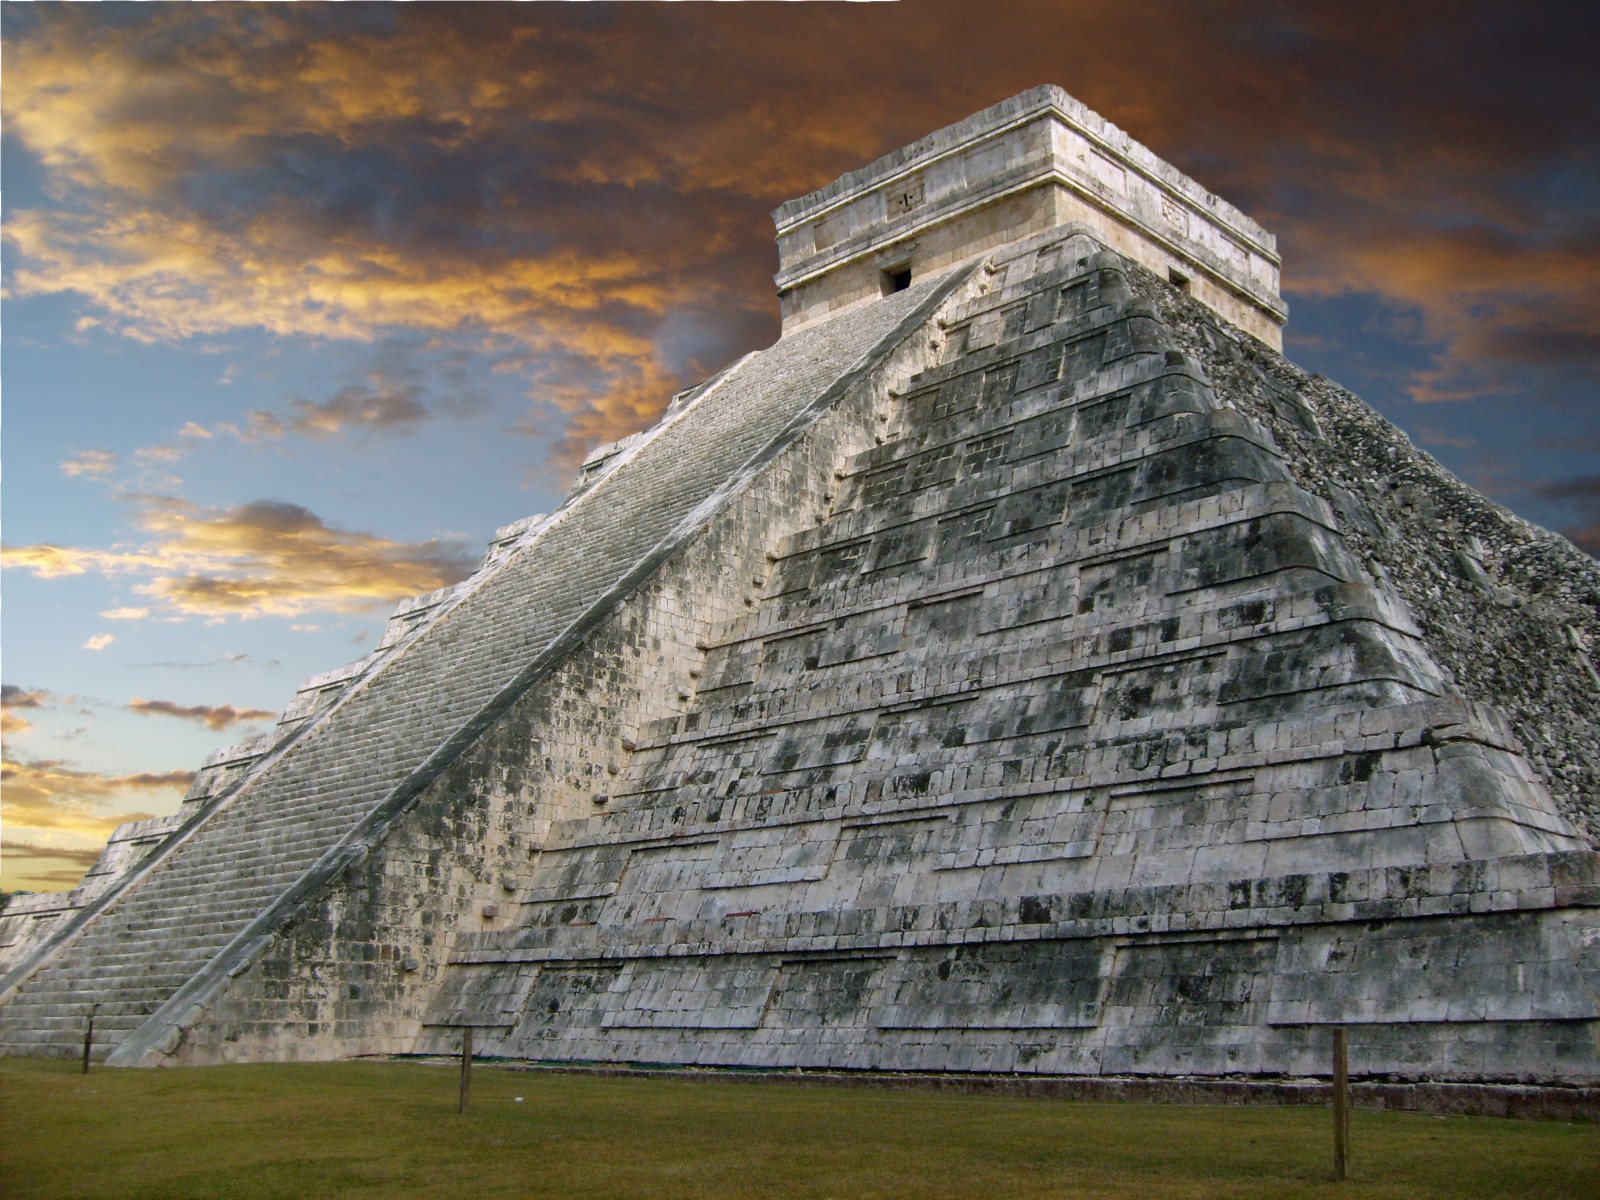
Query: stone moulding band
<point x="1520" y="1101"/>
<point x="161" y="1034"/>
<point x="1050" y="166"/>
<point x="1029" y="106"/>
<point x="1223" y="907"/>
<point x="820" y="265"/>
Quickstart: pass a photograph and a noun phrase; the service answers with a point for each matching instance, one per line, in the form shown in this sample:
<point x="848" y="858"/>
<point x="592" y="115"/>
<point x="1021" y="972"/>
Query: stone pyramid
<point x="1019" y="667"/>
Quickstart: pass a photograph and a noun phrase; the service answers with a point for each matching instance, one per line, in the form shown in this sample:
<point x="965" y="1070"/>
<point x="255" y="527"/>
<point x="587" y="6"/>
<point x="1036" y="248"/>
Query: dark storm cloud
<point x="575" y="178"/>
<point x="1587" y="488"/>
<point x="1580" y="496"/>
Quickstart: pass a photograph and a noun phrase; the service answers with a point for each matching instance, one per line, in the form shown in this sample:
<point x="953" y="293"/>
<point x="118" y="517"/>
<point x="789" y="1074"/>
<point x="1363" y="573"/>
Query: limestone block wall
<point x="355" y="971"/>
<point x="152" y="952"/>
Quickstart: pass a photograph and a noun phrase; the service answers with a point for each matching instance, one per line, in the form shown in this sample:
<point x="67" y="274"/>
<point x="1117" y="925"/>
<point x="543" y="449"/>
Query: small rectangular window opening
<point x="896" y="279"/>
<point x="1178" y="279"/>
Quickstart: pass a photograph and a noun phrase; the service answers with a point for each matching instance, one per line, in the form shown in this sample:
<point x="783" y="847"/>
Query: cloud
<point x="1494" y="304"/>
<point x="13" y="698"/>
<point x="1433" y="435"/>
<point x="213" y="717"/>
<point x="90" y="462"/>
<point x="1582" y="496"/>
<point x="392" y="398"/>
<point x="48" y="561"/>
<point x="1587" y="538"/>
<point x="82" y="858"/>
<point x="330" y="181"/>
<point x="68" y="814"/>
<point x="575" y="181"/>
<point x="125" y="614"/>
<point x="99" y="641"/>
<point x="51" y="794"/>
<point x="1585" y="487"/>
<point x="357" y="407"/>
<point x="32" y="865"/>
<point x="267" y="557"/>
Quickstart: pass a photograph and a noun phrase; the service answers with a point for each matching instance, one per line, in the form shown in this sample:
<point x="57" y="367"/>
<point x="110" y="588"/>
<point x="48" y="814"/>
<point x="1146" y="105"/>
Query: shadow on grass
<point x="331" y="1130"/>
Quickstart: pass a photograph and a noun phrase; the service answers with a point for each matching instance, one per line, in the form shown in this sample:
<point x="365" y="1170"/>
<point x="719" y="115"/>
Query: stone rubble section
<point x="270" y="813"/>
<point x="1076" y="739"/>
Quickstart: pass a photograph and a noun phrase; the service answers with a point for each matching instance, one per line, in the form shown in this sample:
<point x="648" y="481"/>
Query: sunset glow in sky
<point x="302" y="301"/>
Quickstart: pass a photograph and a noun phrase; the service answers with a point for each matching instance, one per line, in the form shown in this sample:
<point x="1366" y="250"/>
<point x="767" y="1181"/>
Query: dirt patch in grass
<point x="329" y="1130"/>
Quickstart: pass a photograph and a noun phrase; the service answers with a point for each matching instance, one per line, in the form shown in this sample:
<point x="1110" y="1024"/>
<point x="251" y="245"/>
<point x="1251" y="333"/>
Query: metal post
<point x="466" y="1066"/>
<point x="88" y="1036"/>
<point x="1341" y="1103"/>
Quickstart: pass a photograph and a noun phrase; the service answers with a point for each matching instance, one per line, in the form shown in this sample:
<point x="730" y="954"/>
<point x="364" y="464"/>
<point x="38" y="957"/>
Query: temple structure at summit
<point x="1019" y="667"/>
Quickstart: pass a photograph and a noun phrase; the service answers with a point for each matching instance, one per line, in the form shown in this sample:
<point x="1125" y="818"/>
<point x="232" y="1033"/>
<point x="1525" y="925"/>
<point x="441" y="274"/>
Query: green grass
<point x="391" y="1130"/>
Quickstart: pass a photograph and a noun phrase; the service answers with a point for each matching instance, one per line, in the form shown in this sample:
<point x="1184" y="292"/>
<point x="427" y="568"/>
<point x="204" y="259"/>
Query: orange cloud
<point x="213" y="717"/>
<point x="49" y="561"/>
<point x="84" y="858"/>
<point x="574" y="185"/>
<point x="124" y="123"/>
<point x="64" y="813"/>
<point x="49" y="794"/>
<point x="30" y="866"/>
<point x="266" y="557"/>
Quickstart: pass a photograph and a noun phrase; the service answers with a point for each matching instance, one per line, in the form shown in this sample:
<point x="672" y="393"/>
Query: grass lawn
<point x="391" y="1130"/>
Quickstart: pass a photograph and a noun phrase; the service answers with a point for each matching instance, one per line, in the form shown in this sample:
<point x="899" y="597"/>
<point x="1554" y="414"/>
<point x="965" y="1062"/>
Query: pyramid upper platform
<point x="1034" y="162"/>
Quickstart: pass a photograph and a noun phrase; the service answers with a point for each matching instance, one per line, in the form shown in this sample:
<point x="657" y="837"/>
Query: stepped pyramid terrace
<point x="1019" y="667"/>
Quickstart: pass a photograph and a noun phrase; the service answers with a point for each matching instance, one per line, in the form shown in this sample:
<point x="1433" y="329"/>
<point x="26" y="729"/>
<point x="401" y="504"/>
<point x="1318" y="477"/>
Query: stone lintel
<point x="1035" y="162"/>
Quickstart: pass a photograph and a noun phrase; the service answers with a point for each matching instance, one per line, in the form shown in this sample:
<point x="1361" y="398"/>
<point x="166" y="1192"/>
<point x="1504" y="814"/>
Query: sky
<point x="301" y="302"/>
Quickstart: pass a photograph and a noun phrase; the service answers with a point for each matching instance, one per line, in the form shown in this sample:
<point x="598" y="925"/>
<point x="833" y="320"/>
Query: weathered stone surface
<point x="1024" y="672"/>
